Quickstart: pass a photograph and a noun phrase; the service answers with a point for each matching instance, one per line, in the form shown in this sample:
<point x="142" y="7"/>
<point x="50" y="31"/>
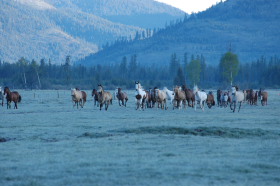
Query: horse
<point x="115" y="93"/>
<point x="140" y="95"/>
<point x="210" y="99"/>
<point x="1" y="97"/>
<point x="161" y="98"/>
<point x="170" y="94"/>
<point x="219" y="98"/>
<point x="151" y="98"/>
<point x="251" y="97"/>
<point x="94" y="94"/>
<point x="200" y="97"/>
<point x="225" y="99"/>
<point x="122" y="97"/>
<point x="263" y="97"/>
<point x="237" y="97"/>
<point x="78" y="97"/>
<point x="12" y="96"/>
<point x="179" y="98"/>
<point x="104" y="98"/>
<point x="190" y="97"/>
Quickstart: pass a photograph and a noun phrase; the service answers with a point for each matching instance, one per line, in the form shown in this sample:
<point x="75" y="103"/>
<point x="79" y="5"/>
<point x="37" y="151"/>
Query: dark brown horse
<point x="210" y="99"/>
<point x="122" y="97"/>
<point x="251" y="96"/>
<point x="94" y="94"/>
<point x="190" y="97"/>
<point x="12" y="96"/>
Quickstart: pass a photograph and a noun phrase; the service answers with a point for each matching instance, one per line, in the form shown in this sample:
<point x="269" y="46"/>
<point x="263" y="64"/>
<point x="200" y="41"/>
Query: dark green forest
<point x="43" y="74"/>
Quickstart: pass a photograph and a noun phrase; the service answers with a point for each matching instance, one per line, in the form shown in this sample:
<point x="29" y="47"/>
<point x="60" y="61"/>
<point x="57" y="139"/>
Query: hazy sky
<point x="190" y="6"/>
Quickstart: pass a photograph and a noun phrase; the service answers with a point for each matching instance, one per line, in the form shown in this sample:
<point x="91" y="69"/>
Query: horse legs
<point x="106" y="105"/>
<point x="239" y="106"/>
<point x="101" y="105"/>
<point x="234" y="106"/>
<point x="15" y="107"/>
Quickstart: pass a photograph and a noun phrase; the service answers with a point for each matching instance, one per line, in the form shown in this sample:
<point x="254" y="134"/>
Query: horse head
<point x="137" y="85"/>
<point x="100" y="88"/>
<point x="195" y="89"/>
<point x="6" y="90"/>
<point x="233" y="90"/>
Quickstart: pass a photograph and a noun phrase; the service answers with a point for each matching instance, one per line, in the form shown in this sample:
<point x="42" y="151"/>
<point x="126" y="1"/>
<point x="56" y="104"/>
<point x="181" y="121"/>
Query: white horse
<point x="200" y="97"/>
<point x="237" y="97"/>
<point x="116" y="93"/>
<point x="1" y="96"/>
<point x="140" y="95"/>
<point x="170" y="94"/>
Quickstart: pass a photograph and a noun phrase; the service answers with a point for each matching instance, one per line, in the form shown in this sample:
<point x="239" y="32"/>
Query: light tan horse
<point x="263" y="97"/>
<point x="104" y="98"/>
<point x="161" y="98"/>
<point x="78" y="97"/>
<point x="179" y="98"/>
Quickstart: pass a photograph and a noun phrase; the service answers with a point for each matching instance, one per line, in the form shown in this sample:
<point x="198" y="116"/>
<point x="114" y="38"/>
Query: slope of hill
<point x="251" y="27"/>
<point x="53" y="29"/>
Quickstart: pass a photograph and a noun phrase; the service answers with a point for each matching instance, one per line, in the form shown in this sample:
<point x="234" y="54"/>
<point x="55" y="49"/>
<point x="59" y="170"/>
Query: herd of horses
<point x="180" y="97"/>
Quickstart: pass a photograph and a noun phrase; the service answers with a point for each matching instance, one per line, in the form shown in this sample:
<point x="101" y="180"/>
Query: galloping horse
<point x="122" y="97"/>
<point x="179" y="98"/>
<point x="237" y="97"/>
<point x="210" y="99"/>
<point x="140" y="95"/>
<point x="263" y="97"/>
<point x="200" y="97"/>
<point x="104" y="98"/>
<point x="170" y="94"/>
<point x="151" y="98"/>
<point x="1" y="96"/>
<point x="190" y="97"/>
<point x="94" y="94"/>
<point x="251" y="97"/>
<point x="219" y="97"/>
<point x="78" y="97"/>
<point x="12" y="96"/>
<point x="161" y="98"/>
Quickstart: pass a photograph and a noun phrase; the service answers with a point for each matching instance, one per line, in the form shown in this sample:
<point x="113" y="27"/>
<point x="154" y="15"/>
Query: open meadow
<point x="48" y="142"/>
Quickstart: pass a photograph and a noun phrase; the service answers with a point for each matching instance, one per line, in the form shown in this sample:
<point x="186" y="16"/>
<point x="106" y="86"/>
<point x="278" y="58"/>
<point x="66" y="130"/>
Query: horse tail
<point x="19" y="98"/>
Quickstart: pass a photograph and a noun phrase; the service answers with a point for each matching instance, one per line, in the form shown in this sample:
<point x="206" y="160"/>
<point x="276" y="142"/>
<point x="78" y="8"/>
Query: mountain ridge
<point x="56" y="28"/>
<point x="248" y="28"/>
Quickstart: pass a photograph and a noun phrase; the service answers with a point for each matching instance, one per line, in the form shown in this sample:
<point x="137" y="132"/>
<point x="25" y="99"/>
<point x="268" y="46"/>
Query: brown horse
<point x="152" y="97"/>
<point x="210" y="99"/>
<point x="190" y="97"/>
<point x="263" y="97"/>
<point x="104" y="98"/>
<point x="122" y="97"/>
<point x="179" y="97"/>
<point x="94" y="94"/>
<point x="251" y="97"/>
<point x="12" y="96"/>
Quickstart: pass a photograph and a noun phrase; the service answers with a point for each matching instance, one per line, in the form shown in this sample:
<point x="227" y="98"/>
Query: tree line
<point x="190" y="70"/>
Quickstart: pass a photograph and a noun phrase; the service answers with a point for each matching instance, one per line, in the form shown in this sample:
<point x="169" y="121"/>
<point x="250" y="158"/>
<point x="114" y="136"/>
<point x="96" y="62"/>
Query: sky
<point x="191" y="6"/>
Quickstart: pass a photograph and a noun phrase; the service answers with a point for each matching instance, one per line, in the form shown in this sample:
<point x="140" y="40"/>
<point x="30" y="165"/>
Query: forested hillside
<point x="53" y="29"/>
<point x="249" y="28"/>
